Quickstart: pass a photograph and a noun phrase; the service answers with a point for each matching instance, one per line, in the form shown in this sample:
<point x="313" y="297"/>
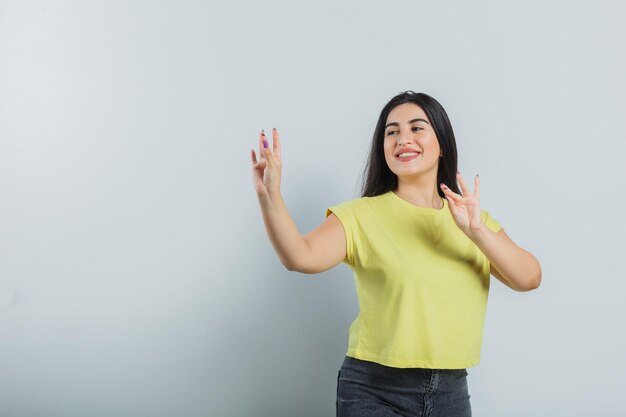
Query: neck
<point x="419" y="193"/>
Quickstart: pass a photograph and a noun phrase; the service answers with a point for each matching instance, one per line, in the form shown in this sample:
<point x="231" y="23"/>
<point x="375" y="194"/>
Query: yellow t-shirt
<point x="422" y="284"/>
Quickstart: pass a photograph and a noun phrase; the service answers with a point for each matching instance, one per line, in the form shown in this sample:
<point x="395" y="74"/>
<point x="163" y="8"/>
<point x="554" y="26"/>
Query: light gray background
<point x="136" y="277"/>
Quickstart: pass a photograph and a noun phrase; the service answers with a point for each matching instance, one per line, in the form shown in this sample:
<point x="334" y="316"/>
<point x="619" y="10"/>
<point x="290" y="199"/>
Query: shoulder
<point x="353" y="206"/>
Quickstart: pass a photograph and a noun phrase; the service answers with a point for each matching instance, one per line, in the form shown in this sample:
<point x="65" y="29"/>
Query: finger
<point x="477" y="188"/>
<point x="451" y="202"/>
<point x="276" y="144"/>
<point x="450" y="193"/>
<point x="464" y="188"/>
<point x="253" y="155"/>
<point x="261" y="139"/>
<point x="267" y="153"/>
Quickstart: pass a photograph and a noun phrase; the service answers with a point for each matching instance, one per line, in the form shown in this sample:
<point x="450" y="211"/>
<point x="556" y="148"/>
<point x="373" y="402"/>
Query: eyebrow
<point x="410" y="121"/>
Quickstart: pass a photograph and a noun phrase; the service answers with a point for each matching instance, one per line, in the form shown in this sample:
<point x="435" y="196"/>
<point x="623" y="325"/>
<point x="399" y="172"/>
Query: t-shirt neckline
<point x="418" y="208"/>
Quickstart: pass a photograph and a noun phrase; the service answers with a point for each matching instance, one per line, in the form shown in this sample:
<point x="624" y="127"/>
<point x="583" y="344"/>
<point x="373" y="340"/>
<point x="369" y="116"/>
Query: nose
<point x="404" y="138"/>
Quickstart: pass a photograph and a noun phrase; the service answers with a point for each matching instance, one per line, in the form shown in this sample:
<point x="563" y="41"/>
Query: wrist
<point x="269" y="196"/>
<point x="478" y="232"/>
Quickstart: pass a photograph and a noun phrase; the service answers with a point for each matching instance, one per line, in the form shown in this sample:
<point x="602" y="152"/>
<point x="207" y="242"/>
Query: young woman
<point x="422" y="251"/>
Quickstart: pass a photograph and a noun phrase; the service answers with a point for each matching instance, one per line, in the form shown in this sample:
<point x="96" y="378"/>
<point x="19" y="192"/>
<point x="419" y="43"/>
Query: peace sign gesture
<point x="465" y="208"/>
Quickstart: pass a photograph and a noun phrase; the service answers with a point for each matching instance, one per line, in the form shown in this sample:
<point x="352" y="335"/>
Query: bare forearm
<point x="283" y="233"/>
<point x="516" y="265"/>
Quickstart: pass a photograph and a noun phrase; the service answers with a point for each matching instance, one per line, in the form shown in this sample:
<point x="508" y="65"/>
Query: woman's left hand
<point x="465" y="208"/>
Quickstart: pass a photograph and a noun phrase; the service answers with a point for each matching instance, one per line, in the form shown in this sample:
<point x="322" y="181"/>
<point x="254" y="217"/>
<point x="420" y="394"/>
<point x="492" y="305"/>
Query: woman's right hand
<point x="267" y="170"/>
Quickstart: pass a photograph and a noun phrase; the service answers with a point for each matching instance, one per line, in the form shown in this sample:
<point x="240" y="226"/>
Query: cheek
<point x="432" y="140"/>
<point x="388" y="148"/>
<point x="430" y="143"/>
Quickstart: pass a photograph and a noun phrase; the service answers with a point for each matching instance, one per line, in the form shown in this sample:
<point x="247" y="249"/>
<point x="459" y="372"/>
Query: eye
<point x="390" y="132"/>
<point x="417" y="128"/>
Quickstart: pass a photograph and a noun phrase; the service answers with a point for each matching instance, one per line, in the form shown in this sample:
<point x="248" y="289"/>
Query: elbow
<point x="531" y="284"/>
<point x="534" y="281"/>
<point x="294" y="268"/>
<point x="291" y="265"/>
<point x="288" y="266"/>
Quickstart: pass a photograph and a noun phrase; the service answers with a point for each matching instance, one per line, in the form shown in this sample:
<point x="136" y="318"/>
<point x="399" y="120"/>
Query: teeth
<point x="407" y="154"/>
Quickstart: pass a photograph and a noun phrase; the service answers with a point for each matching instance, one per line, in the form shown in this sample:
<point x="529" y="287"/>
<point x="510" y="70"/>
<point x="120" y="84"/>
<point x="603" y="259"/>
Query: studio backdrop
<point x="136" y="275"/>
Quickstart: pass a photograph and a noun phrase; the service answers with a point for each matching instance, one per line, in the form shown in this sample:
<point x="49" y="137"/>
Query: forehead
<point x="405" y="112"/>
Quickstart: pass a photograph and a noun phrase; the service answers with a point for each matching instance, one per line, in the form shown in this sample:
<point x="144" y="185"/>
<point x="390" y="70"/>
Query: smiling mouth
<point x="408" y="157"/>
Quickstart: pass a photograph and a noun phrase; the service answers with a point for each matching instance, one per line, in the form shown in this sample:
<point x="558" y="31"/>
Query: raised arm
<point x="317" y="251"/>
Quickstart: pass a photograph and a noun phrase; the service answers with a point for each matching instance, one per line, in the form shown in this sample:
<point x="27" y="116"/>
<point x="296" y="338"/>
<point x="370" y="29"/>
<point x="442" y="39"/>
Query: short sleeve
<point x="490" y="222"/>
<point x="347" y="219"/>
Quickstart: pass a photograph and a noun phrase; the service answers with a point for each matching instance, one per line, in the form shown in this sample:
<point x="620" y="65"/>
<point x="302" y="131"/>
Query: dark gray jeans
<point x="369" y="389"/>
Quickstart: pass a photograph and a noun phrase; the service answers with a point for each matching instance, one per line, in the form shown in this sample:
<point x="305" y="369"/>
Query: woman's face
<point x="408" y="127"/>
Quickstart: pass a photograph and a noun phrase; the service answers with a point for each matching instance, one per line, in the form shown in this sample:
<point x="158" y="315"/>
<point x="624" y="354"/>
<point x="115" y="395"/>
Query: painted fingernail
<point x="265" y="143"/>
<point x="274" y="129"/>
<point x="263" y="132"/>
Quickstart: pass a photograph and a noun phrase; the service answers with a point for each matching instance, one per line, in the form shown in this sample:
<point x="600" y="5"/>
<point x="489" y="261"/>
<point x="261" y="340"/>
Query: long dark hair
<point x="379" y="179"/>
